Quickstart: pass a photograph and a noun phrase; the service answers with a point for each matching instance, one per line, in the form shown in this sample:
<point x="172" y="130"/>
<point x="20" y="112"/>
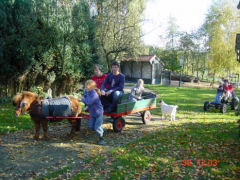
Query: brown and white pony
<point x="30" y="102"/>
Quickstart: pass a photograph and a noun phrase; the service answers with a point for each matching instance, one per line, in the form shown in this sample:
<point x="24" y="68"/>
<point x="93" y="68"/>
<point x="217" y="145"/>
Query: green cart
<point x="141" y="107"/>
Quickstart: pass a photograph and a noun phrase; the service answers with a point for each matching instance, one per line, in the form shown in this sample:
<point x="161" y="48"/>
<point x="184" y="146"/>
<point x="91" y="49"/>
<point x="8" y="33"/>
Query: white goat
<point x="170" y="110"/>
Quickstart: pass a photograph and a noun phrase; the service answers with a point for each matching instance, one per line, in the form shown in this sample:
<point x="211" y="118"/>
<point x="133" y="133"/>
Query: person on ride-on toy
<point x="228" y="88"/>
<point x="217" y="99"/>
<point x="228" y="91"/>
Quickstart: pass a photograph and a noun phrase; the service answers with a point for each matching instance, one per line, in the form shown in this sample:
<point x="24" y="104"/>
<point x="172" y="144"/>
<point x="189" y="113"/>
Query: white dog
<point x="170" y="110"/>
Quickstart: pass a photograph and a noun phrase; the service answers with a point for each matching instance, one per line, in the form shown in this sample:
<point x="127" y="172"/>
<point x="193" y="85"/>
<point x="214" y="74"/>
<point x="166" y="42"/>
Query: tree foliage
<point x="209" y="50"/>
<point x="54" y="43"/>
<point x="172" y="33"/>
<point x="221" y="26"/>
<point x="118" y="29"/>
<point x="168" y="56"/>
<point x="46" y="43"/>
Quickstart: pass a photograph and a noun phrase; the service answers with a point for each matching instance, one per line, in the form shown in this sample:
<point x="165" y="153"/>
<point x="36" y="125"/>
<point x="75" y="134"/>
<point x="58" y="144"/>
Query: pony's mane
<point x="17" y="99"/>
<point x="28" y="93"/>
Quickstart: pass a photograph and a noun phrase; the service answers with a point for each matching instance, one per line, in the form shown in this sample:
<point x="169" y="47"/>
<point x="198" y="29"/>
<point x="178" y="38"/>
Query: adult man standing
<point x="112" y="94"/>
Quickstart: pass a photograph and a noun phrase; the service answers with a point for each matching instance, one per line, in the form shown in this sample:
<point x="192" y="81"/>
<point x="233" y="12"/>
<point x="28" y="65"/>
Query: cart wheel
<point x="118" y="124"/>
<point x="223" y="108"/>
<point x="234" y="104"/>
<point x="236" y="112"/>
<point x="146" y="117"/>
<point x="239" y="128"/>
<point x="206" y="106"/>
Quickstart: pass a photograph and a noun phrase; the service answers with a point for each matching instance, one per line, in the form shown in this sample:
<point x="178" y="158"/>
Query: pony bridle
<point x="22" y="105"/>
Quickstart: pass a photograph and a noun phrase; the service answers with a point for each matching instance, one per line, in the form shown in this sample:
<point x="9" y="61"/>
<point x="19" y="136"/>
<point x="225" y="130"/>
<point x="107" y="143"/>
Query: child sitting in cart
<point x="217" y="99"/>
<point x="95" y="108"/>
<point x="137" y="91"/>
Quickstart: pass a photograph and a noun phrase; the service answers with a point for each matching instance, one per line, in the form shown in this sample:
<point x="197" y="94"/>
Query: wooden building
<point x="146" y="67"/>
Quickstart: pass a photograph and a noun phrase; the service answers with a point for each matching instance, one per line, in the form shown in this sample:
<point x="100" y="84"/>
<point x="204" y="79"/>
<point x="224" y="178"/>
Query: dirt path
<point x="23" y="158"/>
<point x="197" y="85"/>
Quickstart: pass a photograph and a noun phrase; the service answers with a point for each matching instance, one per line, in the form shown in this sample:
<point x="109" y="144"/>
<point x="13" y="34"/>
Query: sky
<point x="189" y="15"/>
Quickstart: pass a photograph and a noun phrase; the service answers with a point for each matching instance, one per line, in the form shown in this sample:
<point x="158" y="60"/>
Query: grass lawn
<point x="8" y="121"/>
<point x="200" y="145"/>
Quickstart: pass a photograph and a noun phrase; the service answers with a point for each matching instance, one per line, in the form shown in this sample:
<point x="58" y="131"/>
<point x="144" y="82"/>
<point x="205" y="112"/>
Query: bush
<point x="5" y="99"/>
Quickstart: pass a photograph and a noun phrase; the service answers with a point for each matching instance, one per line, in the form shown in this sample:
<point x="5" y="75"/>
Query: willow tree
<point x="221" y="25"/>
<point x="118" y="27"/>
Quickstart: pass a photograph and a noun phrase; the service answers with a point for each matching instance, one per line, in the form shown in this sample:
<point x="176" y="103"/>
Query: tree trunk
<point x="202" y="75"/>
<point x="108" y="63"/>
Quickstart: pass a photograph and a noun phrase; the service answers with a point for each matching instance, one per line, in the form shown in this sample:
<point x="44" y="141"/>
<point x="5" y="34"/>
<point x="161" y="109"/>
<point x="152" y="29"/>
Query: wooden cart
<point x="141" y="107"/>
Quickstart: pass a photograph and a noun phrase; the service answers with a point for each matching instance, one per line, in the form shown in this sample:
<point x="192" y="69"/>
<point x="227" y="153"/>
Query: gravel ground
<point x="23" y="158"/>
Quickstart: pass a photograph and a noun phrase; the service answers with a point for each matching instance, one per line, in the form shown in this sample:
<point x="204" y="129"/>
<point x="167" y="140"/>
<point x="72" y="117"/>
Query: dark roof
<point x="143" y="58"/>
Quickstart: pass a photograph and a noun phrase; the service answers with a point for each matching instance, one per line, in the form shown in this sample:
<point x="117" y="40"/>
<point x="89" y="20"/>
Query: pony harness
<point x="57" y="107"/>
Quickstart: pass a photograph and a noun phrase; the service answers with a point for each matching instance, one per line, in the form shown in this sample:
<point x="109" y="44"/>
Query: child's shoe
<point x="101" y="141"/>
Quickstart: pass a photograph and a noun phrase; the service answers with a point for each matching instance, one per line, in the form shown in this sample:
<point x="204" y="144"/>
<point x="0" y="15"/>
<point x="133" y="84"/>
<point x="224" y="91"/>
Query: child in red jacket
<point x="228" y="88"/>
<point x="98" y="76"/>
